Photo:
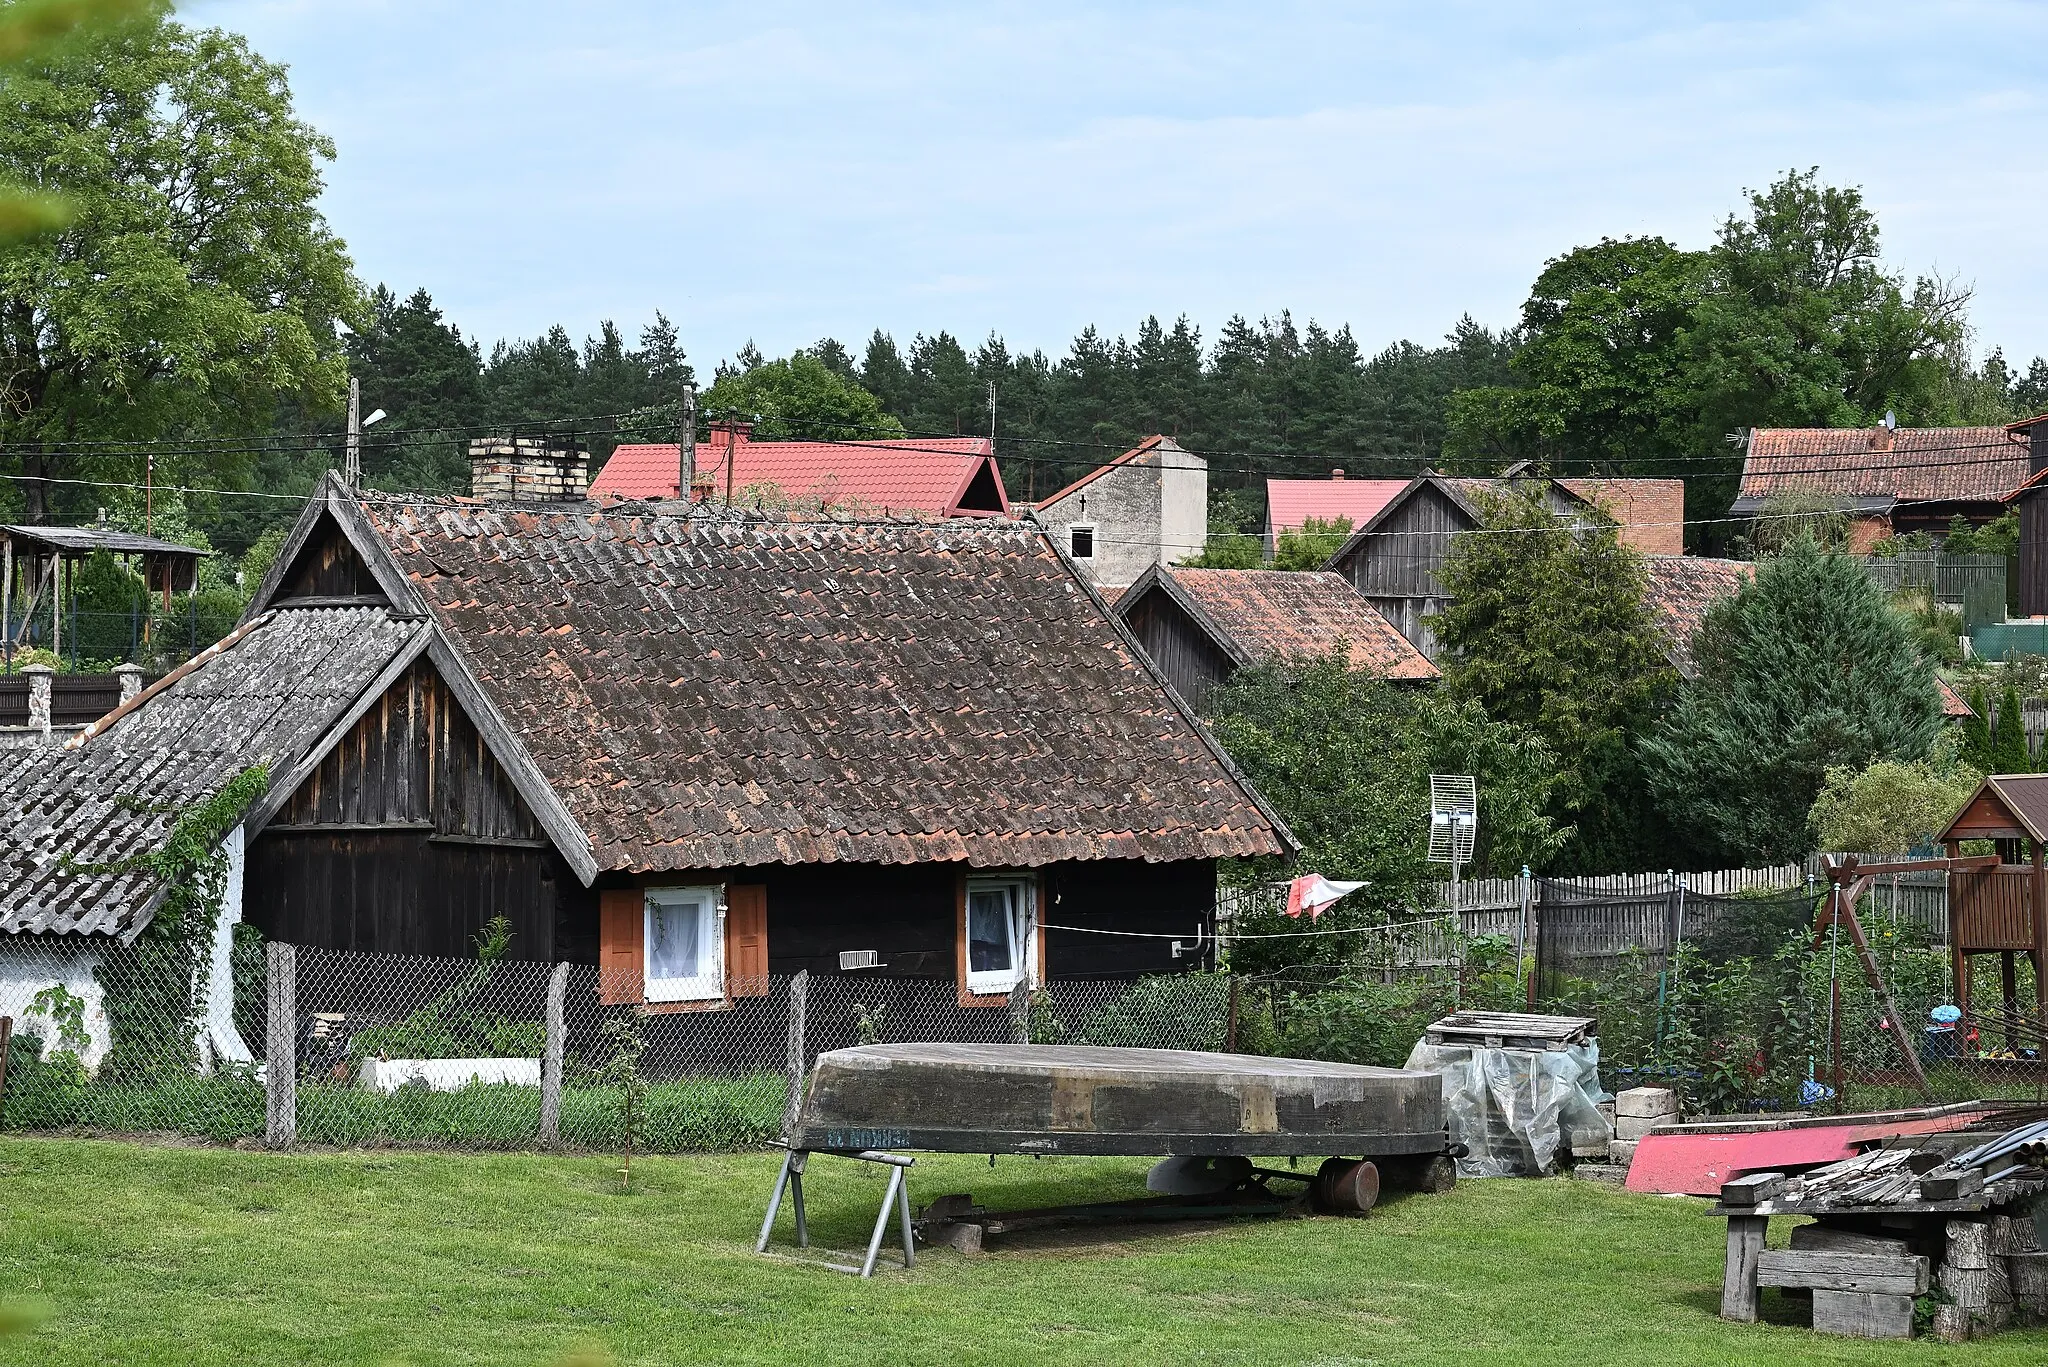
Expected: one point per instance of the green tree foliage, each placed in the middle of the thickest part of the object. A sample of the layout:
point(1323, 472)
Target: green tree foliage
point(2000, 536)
point(2009, 753)
point(1602, 369)
point(1346, 760)
point(197, 284)
point(1547, 627)
point(32, 31)
point(1310, 546)
point(1805, 668)
point(1976, 737)
point(799, 398)
point(1892, 807)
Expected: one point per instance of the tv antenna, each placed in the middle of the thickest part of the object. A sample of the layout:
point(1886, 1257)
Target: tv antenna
point(1453, 823)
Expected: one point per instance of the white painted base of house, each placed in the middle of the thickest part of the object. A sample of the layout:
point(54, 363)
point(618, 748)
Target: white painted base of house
point(447, 1074)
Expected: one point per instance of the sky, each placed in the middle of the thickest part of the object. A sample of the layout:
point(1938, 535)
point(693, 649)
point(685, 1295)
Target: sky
point(781, 173)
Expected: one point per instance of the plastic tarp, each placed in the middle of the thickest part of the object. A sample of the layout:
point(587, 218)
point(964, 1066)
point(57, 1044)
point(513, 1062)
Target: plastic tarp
point(1514, 1110)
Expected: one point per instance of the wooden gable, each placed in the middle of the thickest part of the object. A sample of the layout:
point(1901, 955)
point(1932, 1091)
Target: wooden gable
point(1192, 659)
point(1986, 816)
point(327, 568)
point(1398, 555)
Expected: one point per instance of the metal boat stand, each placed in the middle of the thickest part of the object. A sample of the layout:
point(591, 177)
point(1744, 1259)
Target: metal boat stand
point(895, 1200)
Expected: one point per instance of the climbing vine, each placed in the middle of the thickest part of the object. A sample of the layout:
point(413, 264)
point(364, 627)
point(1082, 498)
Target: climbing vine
point(155, 994)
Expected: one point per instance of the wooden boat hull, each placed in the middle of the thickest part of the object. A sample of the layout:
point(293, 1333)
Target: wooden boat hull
point(1071, 1099)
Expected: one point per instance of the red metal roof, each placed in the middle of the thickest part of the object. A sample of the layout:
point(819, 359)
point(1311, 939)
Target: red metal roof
point(1923, 464)
point(1291, 502)
point(934, 475)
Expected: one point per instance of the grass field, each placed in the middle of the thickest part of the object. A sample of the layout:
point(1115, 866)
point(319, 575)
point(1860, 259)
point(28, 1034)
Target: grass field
point(134, 1254)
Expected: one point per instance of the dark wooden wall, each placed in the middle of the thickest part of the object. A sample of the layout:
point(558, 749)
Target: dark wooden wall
point(1191, 661)
point(909, 913)
point(407, 838)
point(328, 567)
point(1401, 555)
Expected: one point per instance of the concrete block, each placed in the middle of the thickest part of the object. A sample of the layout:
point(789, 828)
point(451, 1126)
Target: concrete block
point(1633, 1127)
point(1600, 1172)
point(1621, 1152)
point(1646, 1103)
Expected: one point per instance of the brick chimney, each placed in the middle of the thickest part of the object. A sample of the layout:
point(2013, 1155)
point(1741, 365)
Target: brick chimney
point(527, 470)
point(1337, 473)
point(39, 677)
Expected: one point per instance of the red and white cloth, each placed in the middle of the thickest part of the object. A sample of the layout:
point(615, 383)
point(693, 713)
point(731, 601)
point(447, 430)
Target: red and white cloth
point(1313, 893)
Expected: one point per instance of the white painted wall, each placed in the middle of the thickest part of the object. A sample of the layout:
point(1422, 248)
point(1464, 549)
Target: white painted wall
point(1153, 510)
point(28, 967)
point(30, 964)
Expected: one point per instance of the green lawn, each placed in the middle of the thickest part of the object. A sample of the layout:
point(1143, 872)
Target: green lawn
point(136, 1254)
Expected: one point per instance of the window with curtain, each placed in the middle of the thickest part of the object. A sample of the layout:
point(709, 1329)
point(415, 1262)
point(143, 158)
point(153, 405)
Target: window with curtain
point(1001, 925)
point(685, 945)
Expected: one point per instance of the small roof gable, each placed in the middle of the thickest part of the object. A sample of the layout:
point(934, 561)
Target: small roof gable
point(1869, 468)
point(2005, 806)
point(1262, 615)
point(75, 817)
point(711, 691)
point(1292, 502)
point(937, 476)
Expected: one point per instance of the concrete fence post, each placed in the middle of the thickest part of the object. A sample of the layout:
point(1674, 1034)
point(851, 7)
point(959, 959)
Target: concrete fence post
point(39, 704)
point(1020, 1013)
point(551, 1059)
point(796, 1056)
point(281, 1055)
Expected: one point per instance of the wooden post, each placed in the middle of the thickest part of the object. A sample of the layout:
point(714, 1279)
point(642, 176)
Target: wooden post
point(1738, 1277)
point(2038, 885)
point(551, 1059)
point(281, 1055)
point(797, 1058)
point(6, 1043)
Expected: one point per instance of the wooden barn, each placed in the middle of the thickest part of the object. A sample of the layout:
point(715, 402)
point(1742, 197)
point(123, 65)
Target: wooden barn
point(2002, 910)
point(1202, 626)
point(1393, 557)
point(698, 748)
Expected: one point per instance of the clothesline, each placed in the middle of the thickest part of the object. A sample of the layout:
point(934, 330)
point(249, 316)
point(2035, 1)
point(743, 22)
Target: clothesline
point(1273, 935)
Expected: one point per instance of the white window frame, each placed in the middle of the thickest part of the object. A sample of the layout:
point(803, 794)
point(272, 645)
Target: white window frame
point(1088, 527)
point(1023, 889)
point(698, 987)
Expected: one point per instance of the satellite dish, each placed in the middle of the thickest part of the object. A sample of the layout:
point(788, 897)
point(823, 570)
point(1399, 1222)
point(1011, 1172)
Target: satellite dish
point(1453, 818)
point(1891, 420)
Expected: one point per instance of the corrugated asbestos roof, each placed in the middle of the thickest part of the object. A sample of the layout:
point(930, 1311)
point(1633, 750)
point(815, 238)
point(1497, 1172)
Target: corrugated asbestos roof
point(710, 692)
point(1913, 464)
point(922, 474)
point(1271, 613)
point(72, 816)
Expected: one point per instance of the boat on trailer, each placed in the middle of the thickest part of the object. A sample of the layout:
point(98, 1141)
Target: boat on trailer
point(1209, 1117)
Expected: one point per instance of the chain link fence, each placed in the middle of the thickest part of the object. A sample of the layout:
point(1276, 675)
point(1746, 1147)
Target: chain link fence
point(271, 1044)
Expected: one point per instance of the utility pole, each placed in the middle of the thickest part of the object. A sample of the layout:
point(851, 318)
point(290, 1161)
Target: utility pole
point(686, 443)
point(352, 461)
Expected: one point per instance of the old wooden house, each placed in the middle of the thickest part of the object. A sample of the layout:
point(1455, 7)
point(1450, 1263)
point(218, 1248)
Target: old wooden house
point(1393, 557)
point(1884, 481)
point(696, 748)
point(1202, 626)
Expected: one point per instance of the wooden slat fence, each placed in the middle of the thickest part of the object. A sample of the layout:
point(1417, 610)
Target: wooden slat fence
point(1610, 914)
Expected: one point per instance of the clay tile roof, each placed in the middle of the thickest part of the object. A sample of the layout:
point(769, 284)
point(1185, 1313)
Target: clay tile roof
point(70, 816)
point(1291, 502)
point(1273, 613)
point(1681, 589)
point(709, 692)
point(1952, 704)
point(1865, 465)
point(931, 475)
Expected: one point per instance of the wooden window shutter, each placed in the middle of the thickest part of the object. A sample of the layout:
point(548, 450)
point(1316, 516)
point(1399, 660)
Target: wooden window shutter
point(621, 956)
point(746, 940)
